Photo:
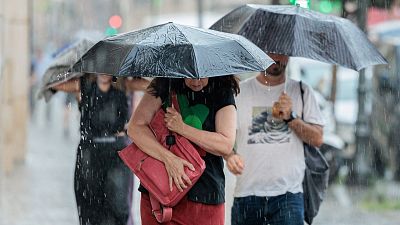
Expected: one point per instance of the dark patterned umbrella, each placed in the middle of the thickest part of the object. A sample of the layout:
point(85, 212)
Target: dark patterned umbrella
point(295, 31)
point(173, 50)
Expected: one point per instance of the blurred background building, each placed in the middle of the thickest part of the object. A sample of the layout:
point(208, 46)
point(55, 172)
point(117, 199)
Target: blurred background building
point(14, 78)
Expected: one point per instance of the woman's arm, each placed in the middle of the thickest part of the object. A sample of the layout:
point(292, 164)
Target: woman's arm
point(136, 84)
point(220, 142)
point(143, 137)
point(73, 85)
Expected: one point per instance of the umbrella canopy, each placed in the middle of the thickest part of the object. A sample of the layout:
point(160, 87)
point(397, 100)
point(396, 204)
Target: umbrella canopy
point(57, 72)
point(173, 50)
point(295, 31)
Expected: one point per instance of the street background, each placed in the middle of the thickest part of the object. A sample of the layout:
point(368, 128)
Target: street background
point(38, 140)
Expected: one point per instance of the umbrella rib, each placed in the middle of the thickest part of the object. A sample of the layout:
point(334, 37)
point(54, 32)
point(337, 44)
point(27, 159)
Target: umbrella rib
point(125, 57)
point(244, 21)
point(347, 47)
point(193, 53)
point(256, 58)
point(237, 40)
point(135, 45)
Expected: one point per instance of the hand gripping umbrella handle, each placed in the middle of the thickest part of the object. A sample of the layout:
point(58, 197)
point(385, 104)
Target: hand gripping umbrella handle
point(170, 139)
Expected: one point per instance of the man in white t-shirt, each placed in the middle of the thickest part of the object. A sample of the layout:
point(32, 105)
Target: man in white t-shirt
point(269, 162)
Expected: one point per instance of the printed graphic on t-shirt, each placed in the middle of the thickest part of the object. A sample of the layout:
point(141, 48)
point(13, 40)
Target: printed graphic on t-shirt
point(265, 129)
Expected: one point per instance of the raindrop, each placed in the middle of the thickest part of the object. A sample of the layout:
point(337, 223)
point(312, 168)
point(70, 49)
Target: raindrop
point(266, 82)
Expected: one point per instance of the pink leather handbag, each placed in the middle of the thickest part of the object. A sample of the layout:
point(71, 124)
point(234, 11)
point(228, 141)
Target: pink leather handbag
point(152, 173)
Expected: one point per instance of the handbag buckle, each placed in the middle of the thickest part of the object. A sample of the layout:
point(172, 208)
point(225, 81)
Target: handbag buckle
point(170, 140)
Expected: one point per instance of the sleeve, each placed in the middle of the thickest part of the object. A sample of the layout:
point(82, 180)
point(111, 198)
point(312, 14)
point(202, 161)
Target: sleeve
point(311, 110)
point(224, 97)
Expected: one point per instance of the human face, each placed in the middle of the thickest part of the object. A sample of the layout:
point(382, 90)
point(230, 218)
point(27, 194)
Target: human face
point(104, 79)
point(280, 64)
point(196, 84)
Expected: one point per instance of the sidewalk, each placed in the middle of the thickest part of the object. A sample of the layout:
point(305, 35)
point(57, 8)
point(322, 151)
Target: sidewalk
point(40, 192)
point(334, 212)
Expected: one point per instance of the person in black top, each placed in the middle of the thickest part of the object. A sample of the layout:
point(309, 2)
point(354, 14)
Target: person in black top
point(207, 119)
point(102, 182)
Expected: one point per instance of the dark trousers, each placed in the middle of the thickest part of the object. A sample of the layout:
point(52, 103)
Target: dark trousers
point(287, 209)
point(102, 184)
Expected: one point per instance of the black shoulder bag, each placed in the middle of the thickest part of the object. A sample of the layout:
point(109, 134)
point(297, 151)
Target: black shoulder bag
point(316, 177)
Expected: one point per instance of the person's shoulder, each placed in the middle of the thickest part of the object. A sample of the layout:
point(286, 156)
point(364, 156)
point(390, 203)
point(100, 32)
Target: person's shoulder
point(293, 84)
point(247, 84)
point(247, 88)
point(308, 90)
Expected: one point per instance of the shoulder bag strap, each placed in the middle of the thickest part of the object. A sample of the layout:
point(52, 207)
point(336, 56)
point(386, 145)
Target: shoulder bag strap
point(162, 213)
point(302, 99)
point(175, 102)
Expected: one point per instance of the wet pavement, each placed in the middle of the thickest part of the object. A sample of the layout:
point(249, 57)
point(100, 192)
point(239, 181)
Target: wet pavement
point(40, 192)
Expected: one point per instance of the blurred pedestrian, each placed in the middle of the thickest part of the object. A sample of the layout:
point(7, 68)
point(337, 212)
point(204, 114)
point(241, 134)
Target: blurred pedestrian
point(134, 91)
point(102, 182)
point(269, 162)
point(70, 99)
point(32, 87)
point(212, 127)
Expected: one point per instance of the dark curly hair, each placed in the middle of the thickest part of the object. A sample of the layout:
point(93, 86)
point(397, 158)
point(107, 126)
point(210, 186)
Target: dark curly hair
point(161, 86)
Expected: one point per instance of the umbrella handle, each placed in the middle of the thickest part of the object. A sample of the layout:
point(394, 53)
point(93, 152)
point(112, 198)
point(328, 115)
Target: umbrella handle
point(285, 85)
point(170, 139)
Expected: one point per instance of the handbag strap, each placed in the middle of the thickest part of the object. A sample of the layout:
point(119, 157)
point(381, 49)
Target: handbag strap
point(302, 111)
point(175, 102)
point(162, 213)
point(302, 99)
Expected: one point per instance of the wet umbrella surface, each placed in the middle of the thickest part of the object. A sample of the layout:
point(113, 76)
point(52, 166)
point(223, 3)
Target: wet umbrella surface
point(295, 31)
point(57, 72)
point(173, 50)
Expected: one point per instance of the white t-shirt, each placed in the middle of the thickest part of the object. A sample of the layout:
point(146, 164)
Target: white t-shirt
point(273, 154)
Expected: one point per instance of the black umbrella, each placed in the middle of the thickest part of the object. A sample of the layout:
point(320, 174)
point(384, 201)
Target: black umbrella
point(173, 50)
point(295, 31)
point(57, 72)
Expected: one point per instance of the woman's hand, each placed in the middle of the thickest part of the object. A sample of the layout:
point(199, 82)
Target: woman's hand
point(173, 121)
point(235, 164)
point(143, 137)
point(175, 169)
